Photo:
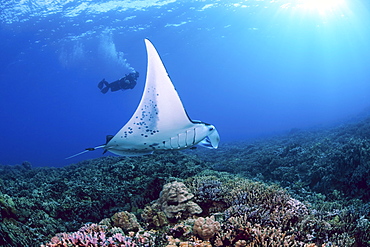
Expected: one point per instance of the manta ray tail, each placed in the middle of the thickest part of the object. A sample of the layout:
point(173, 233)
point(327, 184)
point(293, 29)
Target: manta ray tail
point(87, 150)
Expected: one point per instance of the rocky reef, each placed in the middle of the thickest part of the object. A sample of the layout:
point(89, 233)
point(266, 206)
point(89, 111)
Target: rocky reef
point(306, 188)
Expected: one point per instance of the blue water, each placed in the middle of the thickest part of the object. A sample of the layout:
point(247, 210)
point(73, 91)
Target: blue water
point(251, 68)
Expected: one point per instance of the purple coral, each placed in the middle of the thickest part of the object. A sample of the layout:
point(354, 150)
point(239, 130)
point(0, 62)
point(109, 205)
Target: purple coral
point(90, 235)
point(210, 190)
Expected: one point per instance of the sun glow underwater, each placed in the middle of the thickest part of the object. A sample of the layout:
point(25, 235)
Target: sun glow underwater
point(321, 7)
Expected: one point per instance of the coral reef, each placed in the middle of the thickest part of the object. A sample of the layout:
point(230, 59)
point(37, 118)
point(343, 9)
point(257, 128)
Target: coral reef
point(253, 212)
point(321, 160)
point(38, 202)
point(256, 215)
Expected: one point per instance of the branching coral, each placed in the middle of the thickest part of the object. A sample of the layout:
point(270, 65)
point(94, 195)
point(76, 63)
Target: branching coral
point(90, 235)
point(101, 236)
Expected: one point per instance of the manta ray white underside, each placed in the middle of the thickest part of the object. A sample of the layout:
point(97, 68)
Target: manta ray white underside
point(160, 122)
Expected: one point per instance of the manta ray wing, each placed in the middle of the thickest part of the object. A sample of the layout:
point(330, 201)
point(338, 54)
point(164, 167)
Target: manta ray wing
point(160, 122)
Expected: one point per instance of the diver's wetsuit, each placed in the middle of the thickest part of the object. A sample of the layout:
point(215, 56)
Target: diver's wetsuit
point(127, 82)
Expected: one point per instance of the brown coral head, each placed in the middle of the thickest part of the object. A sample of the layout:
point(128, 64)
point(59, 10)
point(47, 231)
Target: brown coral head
point(206, 228)
point(177, 193)
point(127, 221)
point(175, 202)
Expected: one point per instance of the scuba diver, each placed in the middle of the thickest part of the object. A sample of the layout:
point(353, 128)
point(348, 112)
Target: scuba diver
point(127, 82)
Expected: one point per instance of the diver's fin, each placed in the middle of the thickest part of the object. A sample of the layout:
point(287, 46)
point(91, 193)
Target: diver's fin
point(104, 90)
point(87, 150)
point(101, 84)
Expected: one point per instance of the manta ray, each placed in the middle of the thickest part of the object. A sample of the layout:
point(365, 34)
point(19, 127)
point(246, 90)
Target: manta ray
point(160, 122)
